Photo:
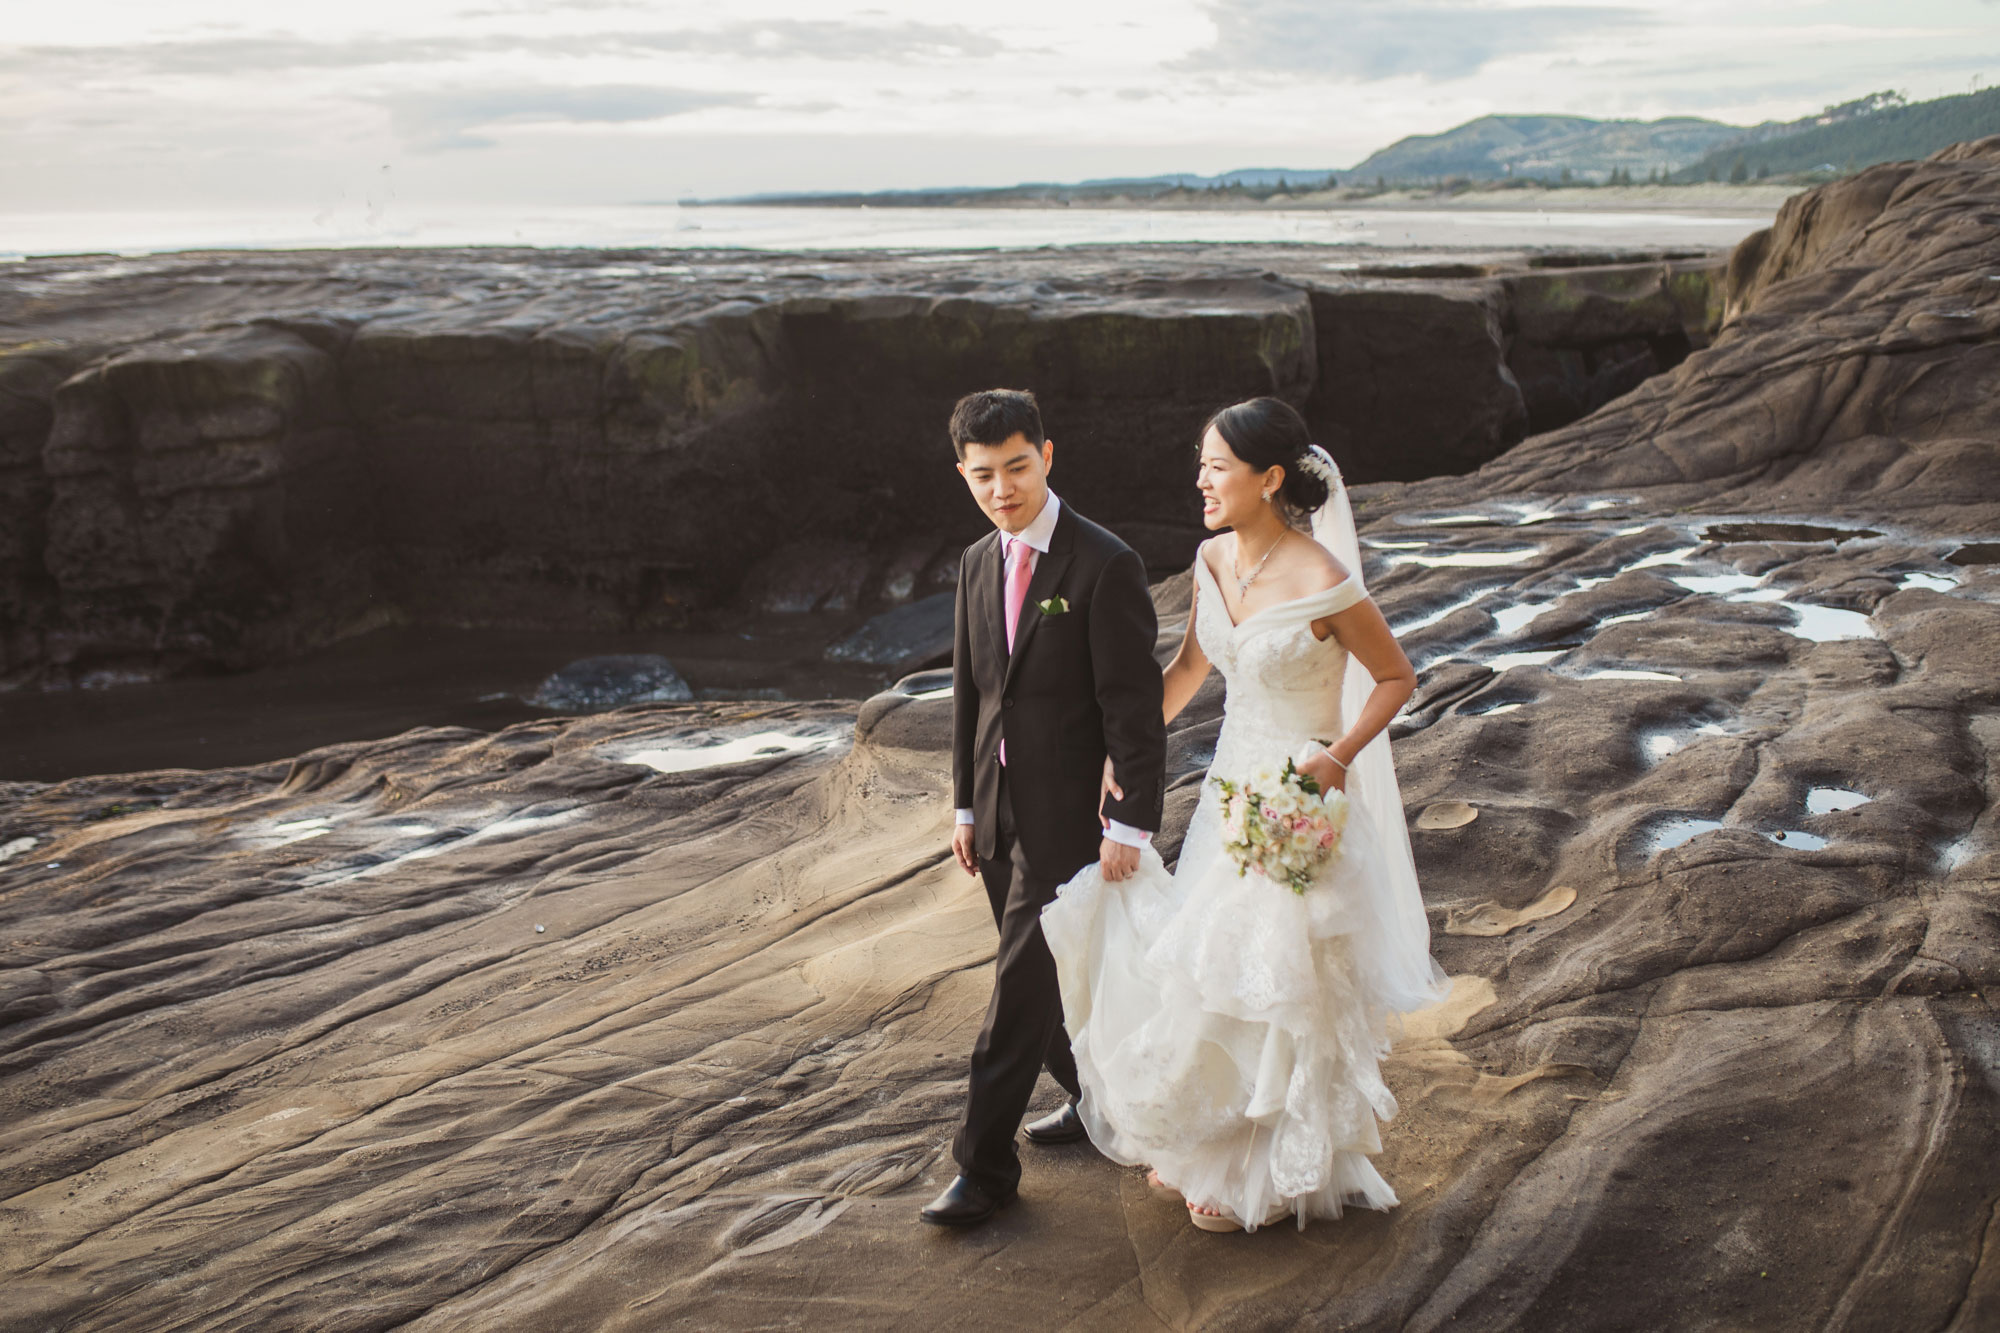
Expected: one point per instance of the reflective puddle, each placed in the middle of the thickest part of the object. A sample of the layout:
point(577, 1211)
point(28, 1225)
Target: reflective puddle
point(1624, 673)
point(1717, 583)
point(298, 830)
point(1828, 624)
point(1976, 553)
point(1468, 559)
point(1508, 661)
point(1674, 832)
point(1806, 533)
point(1659, 558)
point(741, 750)
point(1428, 619)
point(1520, 615)
point(1826, 800)
point(441, 841)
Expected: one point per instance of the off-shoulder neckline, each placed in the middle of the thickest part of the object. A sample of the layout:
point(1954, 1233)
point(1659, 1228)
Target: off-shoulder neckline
point(1235, 624)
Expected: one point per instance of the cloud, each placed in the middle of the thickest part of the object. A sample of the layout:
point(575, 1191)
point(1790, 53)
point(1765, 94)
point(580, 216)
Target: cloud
point(547, 7)
point(443, 120)
point(1380, 39)
point(793, 39)
point(819, 39)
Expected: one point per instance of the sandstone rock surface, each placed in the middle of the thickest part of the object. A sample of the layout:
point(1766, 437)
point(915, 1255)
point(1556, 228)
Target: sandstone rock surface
point(1712, 668)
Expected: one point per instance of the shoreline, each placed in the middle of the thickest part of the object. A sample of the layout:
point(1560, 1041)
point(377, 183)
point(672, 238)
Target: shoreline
point(1711, 199)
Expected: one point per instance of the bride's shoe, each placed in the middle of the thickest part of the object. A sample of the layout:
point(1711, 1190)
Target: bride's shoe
point(1212, 1221)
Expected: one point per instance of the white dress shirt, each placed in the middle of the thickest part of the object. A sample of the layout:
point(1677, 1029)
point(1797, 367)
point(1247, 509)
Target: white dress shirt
point(1037, 536)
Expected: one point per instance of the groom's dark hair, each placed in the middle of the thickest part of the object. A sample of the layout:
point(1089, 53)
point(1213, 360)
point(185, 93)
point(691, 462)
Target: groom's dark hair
point(995, 416)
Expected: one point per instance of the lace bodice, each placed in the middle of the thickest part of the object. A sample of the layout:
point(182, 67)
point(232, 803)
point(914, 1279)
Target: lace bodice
point(1283, 681)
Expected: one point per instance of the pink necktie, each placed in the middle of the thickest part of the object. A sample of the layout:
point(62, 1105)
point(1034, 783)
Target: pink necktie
point(1019, 553)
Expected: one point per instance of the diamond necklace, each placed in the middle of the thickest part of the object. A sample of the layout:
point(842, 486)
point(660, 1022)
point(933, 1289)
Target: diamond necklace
point(1243, 584)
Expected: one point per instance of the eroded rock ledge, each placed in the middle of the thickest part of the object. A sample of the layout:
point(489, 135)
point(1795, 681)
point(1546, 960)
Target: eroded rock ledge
point(217, 460)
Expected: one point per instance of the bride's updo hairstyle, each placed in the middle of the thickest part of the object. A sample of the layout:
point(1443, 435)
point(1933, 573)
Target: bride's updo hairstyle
point(1268, 433)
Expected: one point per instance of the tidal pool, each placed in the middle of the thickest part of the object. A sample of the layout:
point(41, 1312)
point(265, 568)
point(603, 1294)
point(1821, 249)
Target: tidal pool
point(1717, 583)
point(1826, 800)
point(1511, 619)
point(1673, 832)
point(1659, 558)
point(1626, 673)
point(740, 750)
point(1508, 661)
point(1829, 624)
point(1469, 559)
point(1430, 618)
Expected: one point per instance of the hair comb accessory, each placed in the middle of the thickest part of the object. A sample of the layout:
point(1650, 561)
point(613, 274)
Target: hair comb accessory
point(1320, 463)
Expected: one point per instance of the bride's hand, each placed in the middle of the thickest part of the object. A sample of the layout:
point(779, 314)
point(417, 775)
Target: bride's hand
point(1107, 789)
point(1322, 768)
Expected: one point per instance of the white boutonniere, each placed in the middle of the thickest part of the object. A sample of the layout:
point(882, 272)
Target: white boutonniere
point(1054, 606)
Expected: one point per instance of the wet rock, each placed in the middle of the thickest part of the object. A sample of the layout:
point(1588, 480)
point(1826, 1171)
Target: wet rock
point(809, 576)
point(598, 683)
point(905, 639)
point(1413, 381)
point(1580, 337)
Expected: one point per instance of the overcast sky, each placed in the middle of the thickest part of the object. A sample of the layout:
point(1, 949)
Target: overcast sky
point(185, 103)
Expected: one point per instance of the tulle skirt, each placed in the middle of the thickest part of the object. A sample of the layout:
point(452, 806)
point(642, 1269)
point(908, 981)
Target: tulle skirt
point(1224, 1034)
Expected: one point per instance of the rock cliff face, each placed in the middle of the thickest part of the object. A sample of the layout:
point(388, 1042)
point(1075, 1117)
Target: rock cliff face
point(660, 1015)
point(213, 462)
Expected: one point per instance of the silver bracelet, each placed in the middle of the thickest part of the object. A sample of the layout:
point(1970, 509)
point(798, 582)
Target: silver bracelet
point(1331, 755)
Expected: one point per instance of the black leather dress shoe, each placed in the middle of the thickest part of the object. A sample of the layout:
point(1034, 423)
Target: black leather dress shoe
point(963, 1204)
point(1064, 1126)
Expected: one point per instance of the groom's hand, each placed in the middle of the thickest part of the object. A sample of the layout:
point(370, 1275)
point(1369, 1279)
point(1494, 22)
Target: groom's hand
point(1116, 860)
point(962, 848)
point(1107, 790)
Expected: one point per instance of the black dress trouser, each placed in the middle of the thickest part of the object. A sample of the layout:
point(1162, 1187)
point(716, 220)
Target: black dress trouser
point(1023, 1031)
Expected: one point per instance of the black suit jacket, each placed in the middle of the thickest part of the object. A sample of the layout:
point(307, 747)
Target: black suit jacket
point(1079, 685)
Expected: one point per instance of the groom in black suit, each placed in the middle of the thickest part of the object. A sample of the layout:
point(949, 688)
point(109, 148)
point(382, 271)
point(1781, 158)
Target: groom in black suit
point(1052, 670)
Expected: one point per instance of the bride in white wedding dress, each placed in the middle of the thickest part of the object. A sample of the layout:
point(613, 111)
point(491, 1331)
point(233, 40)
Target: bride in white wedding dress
point(1227, 1030)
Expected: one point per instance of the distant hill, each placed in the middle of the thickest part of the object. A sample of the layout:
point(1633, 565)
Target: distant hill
point(1878, 128)
point(1543, 147)
point(1556, 149)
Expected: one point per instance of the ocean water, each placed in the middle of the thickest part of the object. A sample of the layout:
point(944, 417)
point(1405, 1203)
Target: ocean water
point(789, 229)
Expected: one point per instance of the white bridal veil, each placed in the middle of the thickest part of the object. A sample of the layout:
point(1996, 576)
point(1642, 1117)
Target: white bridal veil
point(1394, 948)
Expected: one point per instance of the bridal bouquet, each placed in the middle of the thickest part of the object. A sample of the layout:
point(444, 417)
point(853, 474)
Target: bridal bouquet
point(1281, 825)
